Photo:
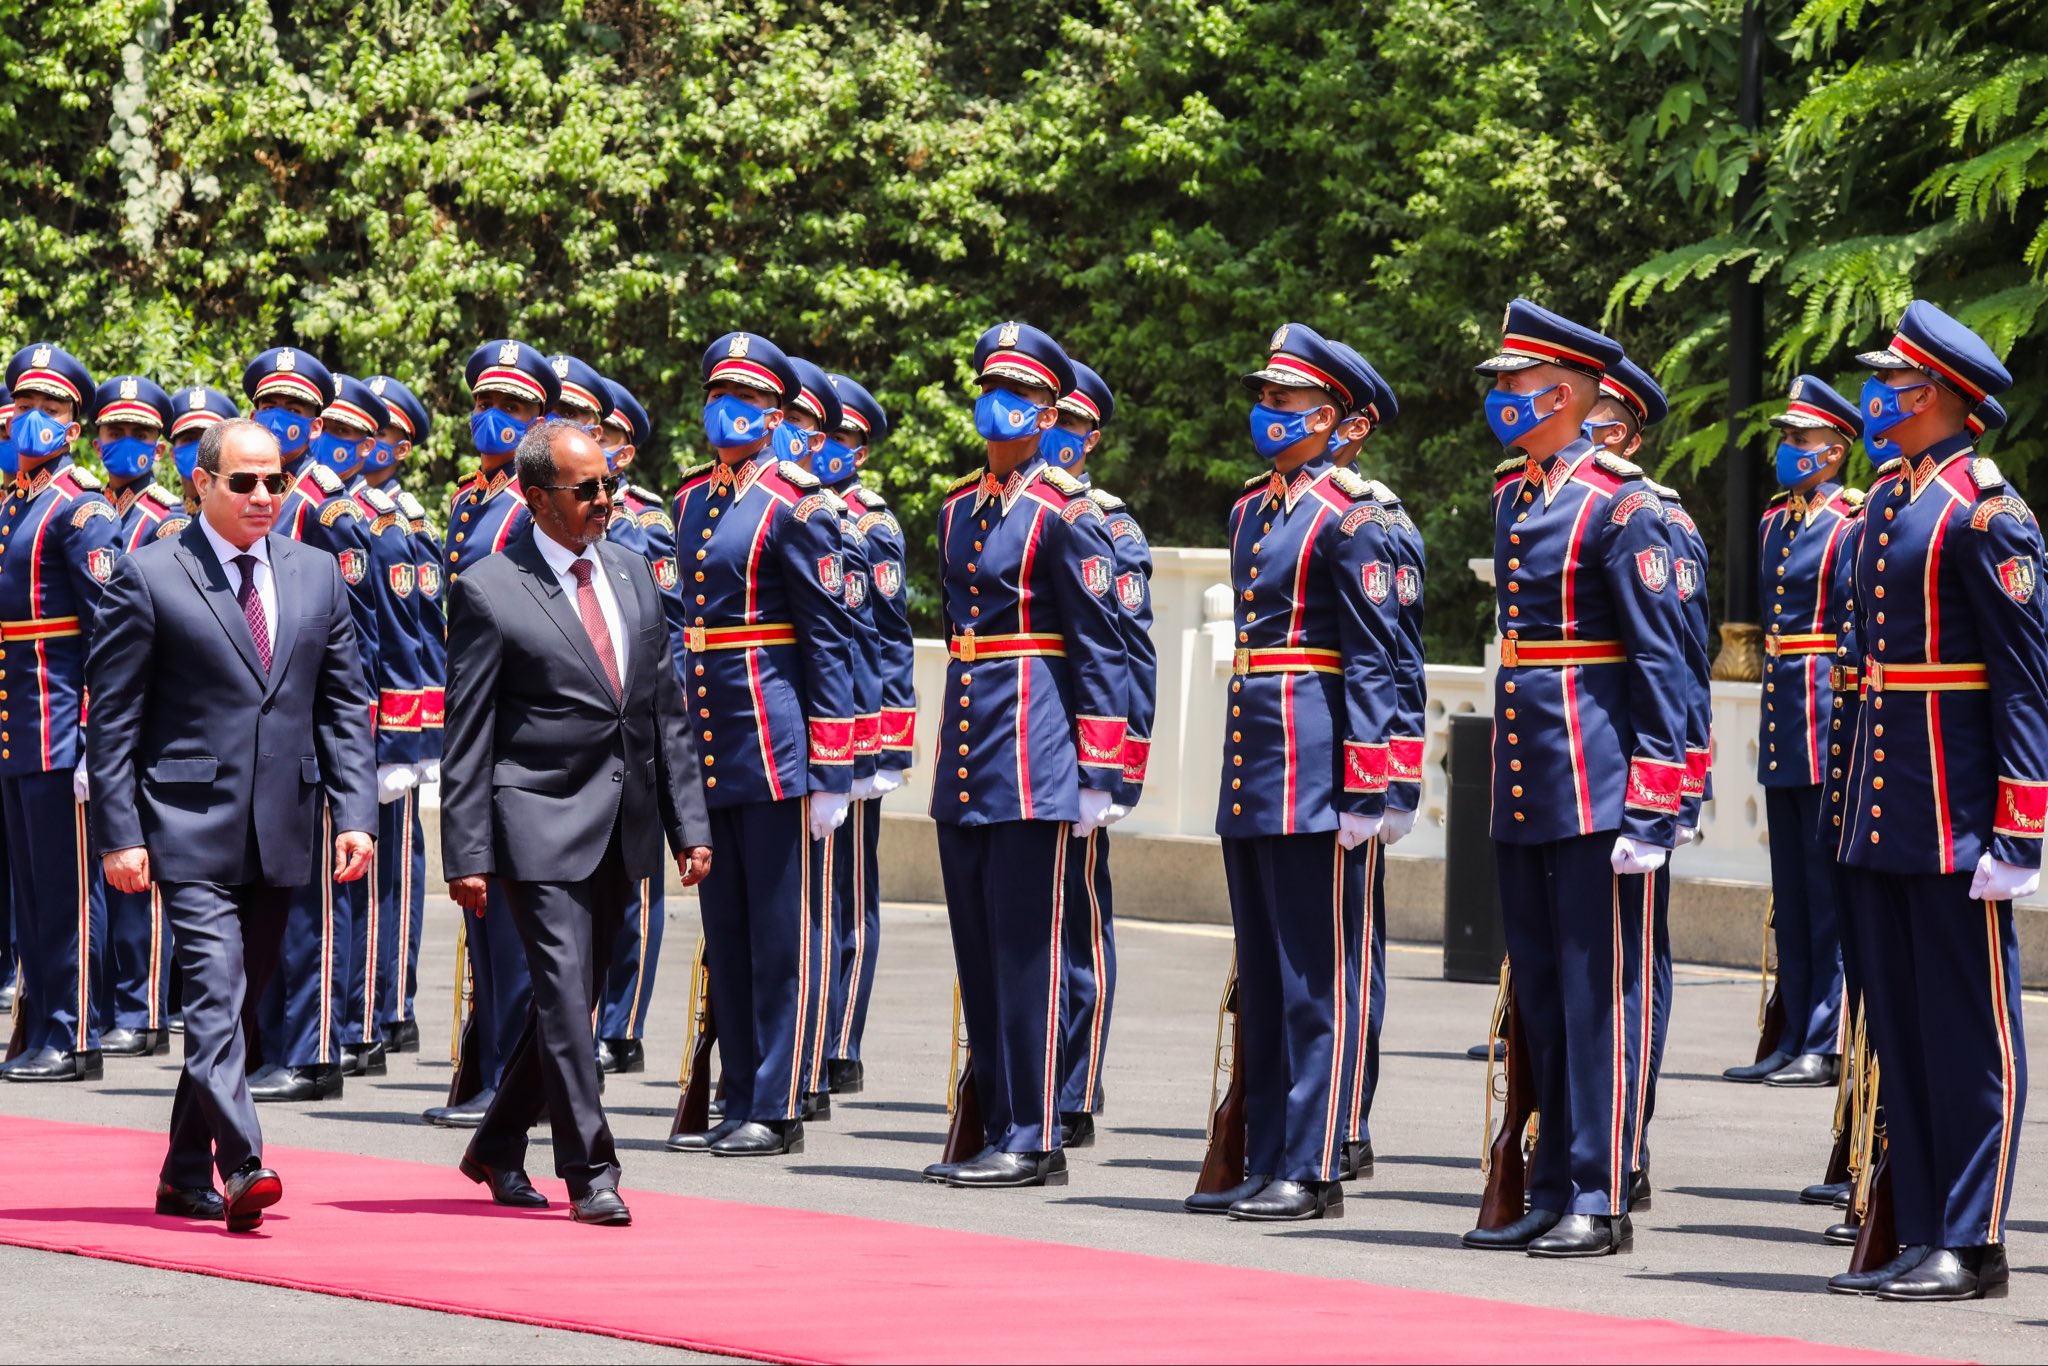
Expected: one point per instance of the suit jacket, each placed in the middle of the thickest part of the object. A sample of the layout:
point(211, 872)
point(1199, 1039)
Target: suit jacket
point(540, 760)
point(197, 753)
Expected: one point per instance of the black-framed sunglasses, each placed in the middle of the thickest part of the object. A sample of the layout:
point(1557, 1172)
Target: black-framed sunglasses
point(244, 482)
point(586, 492)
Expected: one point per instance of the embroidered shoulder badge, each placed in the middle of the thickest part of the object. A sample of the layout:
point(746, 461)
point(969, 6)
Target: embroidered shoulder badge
point(803, 510)
point(2016, 576)
point(87, 511)
point(338, 509)
point(1095, 574)
point(1653, 567)
point(171, 526)
point(1079, 508)
point(1130, 590)
point(1634, 503)
point(654, 516)
point(870, 520)
point(99, 562)
point(2006, 503)
point(354, 564)
point(1357, 518)
point(888, 577)
point(1124, 526)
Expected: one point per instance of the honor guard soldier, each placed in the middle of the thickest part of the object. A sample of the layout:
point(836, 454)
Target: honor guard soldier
point(1801, 542)
point(193, 410)
point(59, 540)
point(1373, 405)
point(1590, 707)
point(1944, 802)
point(1630, 404)
point(640, 523)
point(761, 551)
point(8, 956)
point(856, 876)
point(401, 843)
point(303, 1014)
point(131, 415)
point(511, 386)
point(1032, 744)
point(1304, 779)
point(1089, 993)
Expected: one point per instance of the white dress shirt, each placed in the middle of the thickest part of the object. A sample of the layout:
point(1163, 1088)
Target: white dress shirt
point(560, 558)
point(266, 581)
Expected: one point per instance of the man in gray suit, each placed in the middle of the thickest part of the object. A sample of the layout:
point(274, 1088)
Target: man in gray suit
point(228, 706)
point(567, 758)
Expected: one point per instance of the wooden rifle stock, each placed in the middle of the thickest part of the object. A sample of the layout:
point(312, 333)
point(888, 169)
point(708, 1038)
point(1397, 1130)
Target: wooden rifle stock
point(1223, 1163)
point(1877, 1238)
point(1771, 1027)
point(17, 1041)
point(965, 1137)
point(693, 1110)
point(468, 1078)
point(1507, 1167)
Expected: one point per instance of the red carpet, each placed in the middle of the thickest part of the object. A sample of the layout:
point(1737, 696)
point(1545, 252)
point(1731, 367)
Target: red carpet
point(784, 1285)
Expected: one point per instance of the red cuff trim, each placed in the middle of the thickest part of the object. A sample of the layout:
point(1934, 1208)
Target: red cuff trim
point(1404, 760)
point(1137, 754)
point(433, 708)
point(1101, 740)
point(867, 734)
point(1654, 785)
point(2022, 808)
point(897, 726)
point(398, 710)
point(1365, 767)
point(831, 740)
point(1696, 763)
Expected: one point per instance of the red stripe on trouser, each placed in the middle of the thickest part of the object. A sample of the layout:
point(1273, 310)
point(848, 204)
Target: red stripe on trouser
point(803, 974)
point(1101, 965)
point(373, 905)
point(1647, 989)
point(2007, 1076)
point(1372, 853)
point(859, 910)
point(404, 910)
point(1619, 1101)
point(1049, 1115)
point(826, 962)
point(84, 930)
point(1334, 1115)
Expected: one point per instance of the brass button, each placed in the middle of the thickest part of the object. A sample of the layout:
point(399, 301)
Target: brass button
point(1514, 739)
point(1880, 562)
point(1514, 588)
point(1255, 547)
point(963, 796)
point(1880, 618)
point(966, 679)
point(977, 545)
point(1873, 834)
point(1774, 763)
point(1515, 764)
point(700, 599)
point(963, 725)
point(1877, 811)
point(1878, 755)
point(1884, 538)
point(1521, 516)
point(1242, 637)
point(1236, 783)
point(965, 701)
point(963, 751)
point(1250, 617)
point(707, 734)
point(1507, 687)
point(1513, 610)
point(1237, 761)
point(1236, 810)
point(1515, 791)
point(1520, 817)
point(1878, 730)
point(711, 782)
point(971, 569)
point(704, 712)
point(1877, 783)
point(1509, 713)
point(1514, 563)
point(1237, 737)
point(1247, 595)
point(963, 772)
point(700, 576)
point(1236, 711)
point(974, 611)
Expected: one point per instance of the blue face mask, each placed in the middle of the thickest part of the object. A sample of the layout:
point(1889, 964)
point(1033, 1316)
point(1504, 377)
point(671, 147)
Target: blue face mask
point(1591, 430)
point(1273, 431)
point(37, 436)
point(186, 454)
point(127, 457)
point(1794, 466)
point(383, 456)
point(496, 432)
point(343, 456)
point(731, 422)
point(1881, 413)
point(793, 443)
point(1064, 448)
point(1514, 416)
point(1000, 415)
point(837, 462)
point(291, 430)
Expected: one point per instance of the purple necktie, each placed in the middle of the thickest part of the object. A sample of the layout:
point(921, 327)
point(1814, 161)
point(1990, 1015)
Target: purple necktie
point(252, 609)
point(593, 625)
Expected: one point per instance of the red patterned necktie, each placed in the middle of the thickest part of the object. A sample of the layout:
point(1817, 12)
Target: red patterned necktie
point(593, 625)
point(252, 609)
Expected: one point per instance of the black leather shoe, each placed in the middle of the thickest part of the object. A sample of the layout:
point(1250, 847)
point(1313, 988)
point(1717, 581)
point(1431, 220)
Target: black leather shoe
point(714, 1109)
point(402, 1036)
point(1077, 1130)
point(1586, 1235)
point(700, 1143)
point(1639, 1193)
point(1834, 1193)
point(1281, 1201)
point(1485, 1052)
point(175, 1023)
point(467, 1115)
point(628, 1055)
point(201, 1202)
point(509, 1185)
point(6, 999)
point(1953, 1273)
point(1219, 1202)
point(1808, 1069)
point(1841, 1235)
point(1867, 1282)
point(1356, 1160)
point(247, 1194)
point(818, 1105)
point(1002, 1171)
point(1514, 1237)
point(57, 1064)
point(299, 1083)
point(1758, 1070)
point(845, 1076)
point(752, 1139)
point(601, 1207)
point(133, 1043)
point(942, 1172)
point(364, 1059)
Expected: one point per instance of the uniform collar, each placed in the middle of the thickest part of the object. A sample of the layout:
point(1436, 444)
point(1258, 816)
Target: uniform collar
point(123, 496)
point(1810, 504)
point(40, 480)
point(743, 476)
point(1925, 466)
point(1288, 490)
point(992, 489)
point(1563, 463)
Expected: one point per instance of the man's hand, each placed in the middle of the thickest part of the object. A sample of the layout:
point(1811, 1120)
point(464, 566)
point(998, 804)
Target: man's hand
point(470, 892)
point(827, 812)
point(1095, 804)
point(1634, 857)
point(863, 788)
point(1995, 881)
point(694, 864)
point(394, 780)
point(351, 855)
point(887, 780)
point(1396, 826)
point(81, 786)
point(1354, 830)
point(127, 870)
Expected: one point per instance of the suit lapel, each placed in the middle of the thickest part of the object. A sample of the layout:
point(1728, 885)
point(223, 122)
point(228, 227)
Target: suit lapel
point(547, 590)
point(284, 578)
point(210, 577)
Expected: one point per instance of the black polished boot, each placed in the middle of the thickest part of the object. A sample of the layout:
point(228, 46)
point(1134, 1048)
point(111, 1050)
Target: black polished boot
point(1514, 1237)
point(1219, 1202)
point(1834, 1193)
point(1758, 1070)
point(754, 1139)
point(1586, 1235)
point(845, 1076)
point(298, 1084)
point(202, 1202)
point(402, 1036)
point(1077, 1130)
point(941, 1172)
point(818, 1105)
point(134, 1043)
point(1639, 1193)
point(365, 1059)
point(1952, 1273)
point(1001, 1171)
point(1284, 1201)
point(57, 1064)
point(1356, 1161)
point(1867, 1282)
point(1841, 1235)
point(700, 1142)
point(1808, 1069)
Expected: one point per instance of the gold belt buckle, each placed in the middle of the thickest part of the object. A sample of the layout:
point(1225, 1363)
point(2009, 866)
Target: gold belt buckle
point(1510, 652)
point(1241, 662)
point(967, 646)
point(1772, 646)
point(693, 639)
point(1873, 676)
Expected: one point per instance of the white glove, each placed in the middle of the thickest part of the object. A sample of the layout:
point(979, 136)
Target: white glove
point(1687, 834)
point(81, 788)
point(1634, 856)
point(1116, 812)
point(1353, 831)
point(887, 780)
point(393, 781)
point(1394, 827)
point(863, 788)
point(429, 772)
point(1095, 804)
point(827, 811)
point(1997, 881)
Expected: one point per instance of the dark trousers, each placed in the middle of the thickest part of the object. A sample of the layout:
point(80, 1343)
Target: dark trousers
point(629, 976)
point(1365, 948)
point(1657, 972)
point(762, 906)
point(1574, 934)
point(369, 929)
point(401, 905)
point(138, 960)
point(856, 927)
point(60, 913)
point(1294, 900)
point(1803, 919)
point(1006, 902)
point(302, 1013)
point(566, 929)
point(227, 940)
point(1941, 989)
point(1089, 971)
point(501, 990)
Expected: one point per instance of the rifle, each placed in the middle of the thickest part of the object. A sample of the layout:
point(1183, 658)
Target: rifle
point(693, 1110)
point(1870, 1207)
point(1770, 1011)
point(1505, 1164)
point(1223, 1163)
point(1843, 1163)
point(965, 1134)
point(464, 1050)
point(17, 1042)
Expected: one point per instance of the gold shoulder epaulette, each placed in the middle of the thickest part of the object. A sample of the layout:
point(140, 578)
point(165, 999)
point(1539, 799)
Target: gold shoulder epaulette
point(1064, 482)
point(1350, 483)
point(1984, 470)
point(1668, 495)
point(1853, 497)
point(1510, 465)
point(645, 495)
point(1257, 480)
point(379, 501)
point(698, 471)
point(796, 474)
point(1777, 498)
point(965, 481)
point(86, 479)
point(1381, 492)
point(325, 479)
point(834, 502)
point(1616, 466)
point(872, 497)
point(1108, 502)
point(157, 493)
point(1891, 466)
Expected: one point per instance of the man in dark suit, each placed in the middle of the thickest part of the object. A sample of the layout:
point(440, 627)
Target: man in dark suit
point(229, 706)
point(567, 757)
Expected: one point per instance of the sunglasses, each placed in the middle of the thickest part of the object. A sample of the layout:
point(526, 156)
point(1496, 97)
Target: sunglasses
point(245, 481)
point(586, 492)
